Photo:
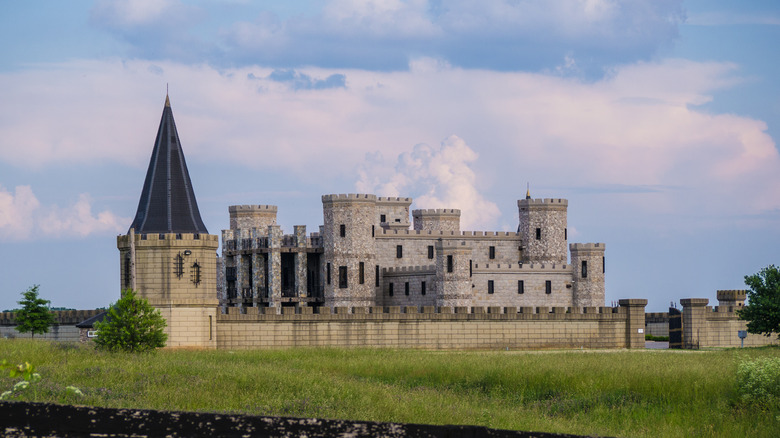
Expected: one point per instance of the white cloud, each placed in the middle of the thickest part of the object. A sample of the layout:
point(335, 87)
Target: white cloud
point(436, 178)
point(22, 217)
point(639, 126)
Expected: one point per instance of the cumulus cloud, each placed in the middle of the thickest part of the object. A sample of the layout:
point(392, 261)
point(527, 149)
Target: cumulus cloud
point(302, 81)
point(436, 178)
point(22, 217)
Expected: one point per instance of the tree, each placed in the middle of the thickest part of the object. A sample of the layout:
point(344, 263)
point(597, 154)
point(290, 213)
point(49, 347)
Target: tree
point(132, 325)
point(34, 316)
point(763, 309)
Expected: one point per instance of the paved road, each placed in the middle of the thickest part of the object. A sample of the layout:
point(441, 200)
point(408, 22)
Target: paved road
point(656, 345)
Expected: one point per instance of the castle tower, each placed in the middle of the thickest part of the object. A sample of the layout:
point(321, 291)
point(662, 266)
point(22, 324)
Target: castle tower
point(393, 213)
point(587, 259)
point(252, 216)
point(440, 219)
point(349, 250)
point(453, 274)
point(543, 224)
point(168, 255)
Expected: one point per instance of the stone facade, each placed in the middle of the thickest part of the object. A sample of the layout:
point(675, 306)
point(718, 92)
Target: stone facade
point(176, 273)
point(366, 255)
point(430, 327)
point(705, 326)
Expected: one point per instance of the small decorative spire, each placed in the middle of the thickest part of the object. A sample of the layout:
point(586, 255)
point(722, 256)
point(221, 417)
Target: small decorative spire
point(167, 101)
point(528, 191)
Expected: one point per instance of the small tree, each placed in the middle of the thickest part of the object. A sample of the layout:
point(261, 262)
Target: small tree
point(132, 325)
point(34, 316)
point(763, 309)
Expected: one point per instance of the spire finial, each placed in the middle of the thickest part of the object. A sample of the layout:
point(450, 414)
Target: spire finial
point(528, 191)
point(167, 101)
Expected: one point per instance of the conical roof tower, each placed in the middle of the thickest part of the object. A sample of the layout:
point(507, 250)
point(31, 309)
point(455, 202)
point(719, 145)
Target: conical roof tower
point(167, 203)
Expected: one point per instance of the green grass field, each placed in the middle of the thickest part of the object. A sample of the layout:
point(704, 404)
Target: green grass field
point(614, 393)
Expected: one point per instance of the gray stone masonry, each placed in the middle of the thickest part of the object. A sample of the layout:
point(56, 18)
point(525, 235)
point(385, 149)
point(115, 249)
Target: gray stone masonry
point(453, 279)
point(274, 266)
point(442, 219)
point(548, 216)
point(395, 212)
point(252, 216)
point(587, 260)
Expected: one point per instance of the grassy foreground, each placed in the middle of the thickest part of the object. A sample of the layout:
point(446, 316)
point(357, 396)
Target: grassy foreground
point(617, 393)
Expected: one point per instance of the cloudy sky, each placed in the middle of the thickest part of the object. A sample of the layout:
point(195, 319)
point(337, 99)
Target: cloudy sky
point(659, 120)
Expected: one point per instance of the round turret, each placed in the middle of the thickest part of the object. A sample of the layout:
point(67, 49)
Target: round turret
point(543, 224)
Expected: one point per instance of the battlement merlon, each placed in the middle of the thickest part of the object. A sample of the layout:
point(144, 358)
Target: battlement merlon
point(436, 212)
point(348, 197)
point(543, 203)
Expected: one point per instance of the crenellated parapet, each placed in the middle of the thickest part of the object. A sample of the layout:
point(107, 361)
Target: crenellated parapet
point(522, 267)
point(167, 239)
point(448, 235)
point(393, 200)
point(349, 197)
point(409, 270)
point(731, 298)
point(439, 219)
point(544, 202)
point(252, 216)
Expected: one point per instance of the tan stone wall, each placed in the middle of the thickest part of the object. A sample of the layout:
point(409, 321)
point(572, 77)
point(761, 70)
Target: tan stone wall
point(192, 327)
point(485, 328)
point(704, 326)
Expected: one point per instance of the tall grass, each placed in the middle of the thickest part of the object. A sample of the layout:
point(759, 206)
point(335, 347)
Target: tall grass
point(618, 393)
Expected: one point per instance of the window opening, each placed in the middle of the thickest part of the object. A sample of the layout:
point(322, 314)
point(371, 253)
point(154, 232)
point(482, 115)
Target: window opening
point(342, 277)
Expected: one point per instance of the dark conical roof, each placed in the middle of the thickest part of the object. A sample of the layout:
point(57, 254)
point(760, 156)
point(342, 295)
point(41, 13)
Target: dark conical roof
point(167, 202)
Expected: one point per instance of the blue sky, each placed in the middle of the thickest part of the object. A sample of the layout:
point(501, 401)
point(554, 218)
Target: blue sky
point(659, 121)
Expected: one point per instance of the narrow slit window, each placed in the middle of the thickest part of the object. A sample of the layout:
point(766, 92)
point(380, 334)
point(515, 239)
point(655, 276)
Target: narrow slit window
point(520, 287)
point(492, 252)
point(584, 269)
point(548, 287)
point(603, 265)
point(406, 288)
point(430, 251)
point(538, 234)
point(342, 277)
point(422, 288)
point(490, 287)
point(361, 273)
point(327, 273)
point(390, 289)
point(343, 230)
point(449, 263)
point(399, 251)
point(376, 276)
point(382, 218)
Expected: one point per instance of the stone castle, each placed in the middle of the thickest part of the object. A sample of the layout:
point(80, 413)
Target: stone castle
point(366, 255)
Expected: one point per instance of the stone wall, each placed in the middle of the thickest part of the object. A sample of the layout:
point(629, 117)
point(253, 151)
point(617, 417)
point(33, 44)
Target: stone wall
point(436, 328)
point(704, 326)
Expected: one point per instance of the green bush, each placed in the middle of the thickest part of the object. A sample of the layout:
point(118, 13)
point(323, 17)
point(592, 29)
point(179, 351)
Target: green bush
point(131, 325)
point(758, 382)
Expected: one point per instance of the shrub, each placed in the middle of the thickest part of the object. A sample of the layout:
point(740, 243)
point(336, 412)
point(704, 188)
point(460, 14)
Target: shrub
point(132, 325)
point(758, 382)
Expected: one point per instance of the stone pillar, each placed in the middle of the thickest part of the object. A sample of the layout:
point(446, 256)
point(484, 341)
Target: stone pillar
point(274, 263)
point(694, 328)
point(453, 286)
point(635, 322)
point(300, 261)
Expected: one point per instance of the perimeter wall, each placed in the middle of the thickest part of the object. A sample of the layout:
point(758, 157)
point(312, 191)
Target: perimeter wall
point(436, 328)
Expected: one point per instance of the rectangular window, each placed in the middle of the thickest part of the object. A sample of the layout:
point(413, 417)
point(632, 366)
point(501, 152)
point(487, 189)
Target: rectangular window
point(399, 251)
point(382, 218)
point(603, 265)
point(342, 277)
point(548, 287)
point(492, 252)
point(422, 288)
point(327, 273)
point(584, 269)
point(565, 234)
point(372, 230)
point(390, 289)
point(376, 276)
point(490, 286)
point(343, 230)
point(449, 263)
point(538, 234)
point(430, 251)
point(520, 287)
point(471, 268)
point(406, 288)
point(361, 273)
